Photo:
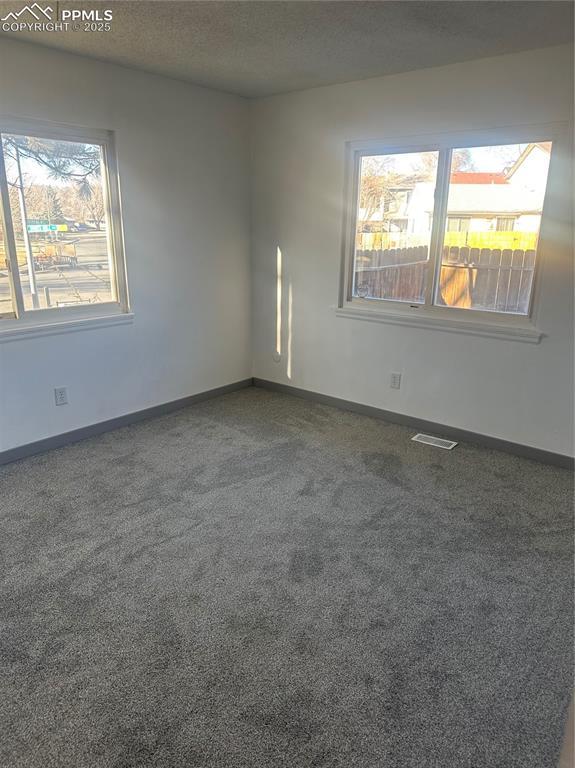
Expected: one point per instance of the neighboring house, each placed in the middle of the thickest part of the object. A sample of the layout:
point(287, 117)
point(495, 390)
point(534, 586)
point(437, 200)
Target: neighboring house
point(481, 207)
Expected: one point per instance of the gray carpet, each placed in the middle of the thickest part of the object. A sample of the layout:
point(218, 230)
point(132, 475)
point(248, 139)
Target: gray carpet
point(261, 581)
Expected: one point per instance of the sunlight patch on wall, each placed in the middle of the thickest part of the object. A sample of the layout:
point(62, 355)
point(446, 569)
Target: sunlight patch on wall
point(289, 330)
point(278, 303)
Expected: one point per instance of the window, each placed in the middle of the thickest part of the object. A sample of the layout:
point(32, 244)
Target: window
point(447, 227)
point(391, 256)
point(505, 223)
point(458, 224)
point(60, 230)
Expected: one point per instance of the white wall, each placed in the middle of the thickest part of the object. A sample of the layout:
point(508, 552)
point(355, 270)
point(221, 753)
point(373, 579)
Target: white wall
point(183, 158)
point(511, 390)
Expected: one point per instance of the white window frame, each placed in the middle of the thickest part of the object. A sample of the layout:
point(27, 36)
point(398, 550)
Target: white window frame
point(58, 319)
point(428, 314)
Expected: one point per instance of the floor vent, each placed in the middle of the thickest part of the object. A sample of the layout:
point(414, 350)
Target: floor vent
point(438, 442)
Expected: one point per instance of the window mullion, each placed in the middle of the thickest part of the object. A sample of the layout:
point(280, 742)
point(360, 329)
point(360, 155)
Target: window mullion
point(9, 240)
point(438, 225)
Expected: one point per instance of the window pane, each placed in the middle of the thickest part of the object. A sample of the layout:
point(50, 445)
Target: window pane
point(394, 218)
point(5, 295)
point(60, 227)
point(499, 190)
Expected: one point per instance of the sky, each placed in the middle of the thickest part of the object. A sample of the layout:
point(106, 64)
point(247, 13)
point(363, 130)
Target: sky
point(486, 159)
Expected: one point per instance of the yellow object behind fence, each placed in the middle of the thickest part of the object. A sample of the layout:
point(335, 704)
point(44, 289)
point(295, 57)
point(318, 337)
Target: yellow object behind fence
point(375, 241)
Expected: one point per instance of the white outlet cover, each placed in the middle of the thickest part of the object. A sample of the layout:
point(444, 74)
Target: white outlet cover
point(61, 396)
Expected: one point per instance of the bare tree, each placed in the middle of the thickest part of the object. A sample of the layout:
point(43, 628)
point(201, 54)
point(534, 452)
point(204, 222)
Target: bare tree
point(93, 201)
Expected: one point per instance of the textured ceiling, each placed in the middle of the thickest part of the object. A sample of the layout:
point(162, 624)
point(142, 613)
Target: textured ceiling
point(260, 48)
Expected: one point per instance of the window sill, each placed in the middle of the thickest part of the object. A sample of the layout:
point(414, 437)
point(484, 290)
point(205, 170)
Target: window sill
point(518, 329)
point(14, 330)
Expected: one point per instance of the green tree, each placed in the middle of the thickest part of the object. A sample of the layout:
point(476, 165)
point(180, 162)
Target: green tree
point(63, 160)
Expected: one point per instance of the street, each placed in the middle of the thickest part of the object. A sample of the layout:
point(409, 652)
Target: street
point(63, 285)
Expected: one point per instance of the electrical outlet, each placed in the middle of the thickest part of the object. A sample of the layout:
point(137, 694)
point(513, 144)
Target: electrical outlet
point(395, 382)
point(61, 396)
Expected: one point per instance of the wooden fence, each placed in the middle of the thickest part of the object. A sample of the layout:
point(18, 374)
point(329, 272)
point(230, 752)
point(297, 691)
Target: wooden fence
point(394, 273)
point(481, 278)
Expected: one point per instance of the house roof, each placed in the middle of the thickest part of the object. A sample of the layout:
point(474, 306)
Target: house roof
point(496, 198)
point(480, 177)
point(543, 145)
point(476, 177)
